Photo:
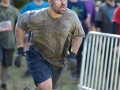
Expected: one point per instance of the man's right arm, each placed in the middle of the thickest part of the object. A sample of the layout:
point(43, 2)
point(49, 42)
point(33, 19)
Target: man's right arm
point(20, 28)
point(19, 33)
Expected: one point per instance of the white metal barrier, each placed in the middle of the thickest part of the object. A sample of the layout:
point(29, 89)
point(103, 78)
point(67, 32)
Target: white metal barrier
point(101, 62)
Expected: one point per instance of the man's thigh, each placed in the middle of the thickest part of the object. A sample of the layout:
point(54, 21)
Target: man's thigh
point(56, 73)
point(46, 85)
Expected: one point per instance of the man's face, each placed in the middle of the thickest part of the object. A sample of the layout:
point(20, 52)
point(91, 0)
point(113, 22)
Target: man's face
point(6, 1)
point(59, 6)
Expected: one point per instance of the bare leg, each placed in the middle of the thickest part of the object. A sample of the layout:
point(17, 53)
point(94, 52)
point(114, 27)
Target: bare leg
point(36, 88)
point(46, 85)
point(4, 75)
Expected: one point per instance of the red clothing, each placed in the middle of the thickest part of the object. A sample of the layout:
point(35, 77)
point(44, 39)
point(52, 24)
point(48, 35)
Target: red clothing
point(116, 18)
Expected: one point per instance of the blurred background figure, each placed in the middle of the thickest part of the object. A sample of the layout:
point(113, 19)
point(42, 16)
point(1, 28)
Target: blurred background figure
point(103, 19)
point(103, 23)
point(116, 26)
point(116, 21)
point(8, 16)
point(33, 5)
point(91, 11)
point(80, 8)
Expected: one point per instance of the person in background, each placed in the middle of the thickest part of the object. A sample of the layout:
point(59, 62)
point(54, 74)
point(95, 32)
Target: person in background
point(80, 9)
point(103, 23)
point(116, 27)
point(33, 5)
point(8, 16)
point(103, 19)
point(91, 12)
point(116, 21)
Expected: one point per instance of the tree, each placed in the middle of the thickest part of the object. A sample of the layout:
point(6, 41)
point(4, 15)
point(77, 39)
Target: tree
point(19, 3)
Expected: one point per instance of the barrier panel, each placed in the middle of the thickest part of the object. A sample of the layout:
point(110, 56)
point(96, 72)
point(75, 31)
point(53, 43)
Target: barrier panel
point(100, 62)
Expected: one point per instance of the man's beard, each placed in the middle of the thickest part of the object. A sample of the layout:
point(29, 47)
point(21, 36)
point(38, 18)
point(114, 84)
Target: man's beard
point(58, 11)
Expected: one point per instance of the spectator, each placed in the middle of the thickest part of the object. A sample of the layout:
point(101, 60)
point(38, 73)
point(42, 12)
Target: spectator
point(33, 5)
point(91, 11)
point(116, 21)
point(8, 16)
point(116, 25)
point(103, 23)
point(103, 19)
point(80, 9)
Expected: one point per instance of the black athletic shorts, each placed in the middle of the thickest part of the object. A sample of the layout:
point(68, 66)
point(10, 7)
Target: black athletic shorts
point(6, 56)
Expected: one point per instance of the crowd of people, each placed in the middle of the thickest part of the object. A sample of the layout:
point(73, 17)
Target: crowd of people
point(54, 32)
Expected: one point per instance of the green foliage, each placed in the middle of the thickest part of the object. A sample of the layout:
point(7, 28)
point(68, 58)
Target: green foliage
point(19, 3)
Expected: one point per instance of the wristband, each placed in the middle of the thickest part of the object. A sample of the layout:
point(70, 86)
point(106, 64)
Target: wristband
point(20, 50)
point(72, 55)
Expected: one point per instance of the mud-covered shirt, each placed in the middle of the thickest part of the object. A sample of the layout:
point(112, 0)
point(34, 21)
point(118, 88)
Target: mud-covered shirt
point(50, 34)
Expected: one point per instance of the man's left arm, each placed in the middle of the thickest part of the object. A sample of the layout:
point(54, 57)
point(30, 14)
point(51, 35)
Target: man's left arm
point(77, 36)
point(76, 42)
point(71, 58)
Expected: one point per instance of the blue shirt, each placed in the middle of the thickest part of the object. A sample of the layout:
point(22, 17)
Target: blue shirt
point(33, 6)
point(80, 9)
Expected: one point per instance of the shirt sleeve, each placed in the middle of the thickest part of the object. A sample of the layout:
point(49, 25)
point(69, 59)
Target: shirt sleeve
point(16, 13)
point(114, 27)
point(85, 12)
point(23, 20)
point(99, 15)
point(77, 30)
point(116, 16)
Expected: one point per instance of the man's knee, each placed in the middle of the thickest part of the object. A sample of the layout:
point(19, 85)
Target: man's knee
point(36, 88)
point(46, 85)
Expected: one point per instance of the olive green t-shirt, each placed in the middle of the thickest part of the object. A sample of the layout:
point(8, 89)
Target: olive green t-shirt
point(50, 34)
point(8, 16)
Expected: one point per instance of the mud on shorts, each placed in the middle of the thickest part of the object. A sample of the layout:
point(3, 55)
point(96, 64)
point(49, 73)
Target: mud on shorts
point(6, 56)
point(40, 69)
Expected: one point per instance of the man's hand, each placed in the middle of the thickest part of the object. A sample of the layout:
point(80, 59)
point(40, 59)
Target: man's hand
point(19, 55)
point(71, 61)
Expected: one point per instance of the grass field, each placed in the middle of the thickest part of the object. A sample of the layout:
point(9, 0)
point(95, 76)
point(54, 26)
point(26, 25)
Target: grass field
point(16, 82)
